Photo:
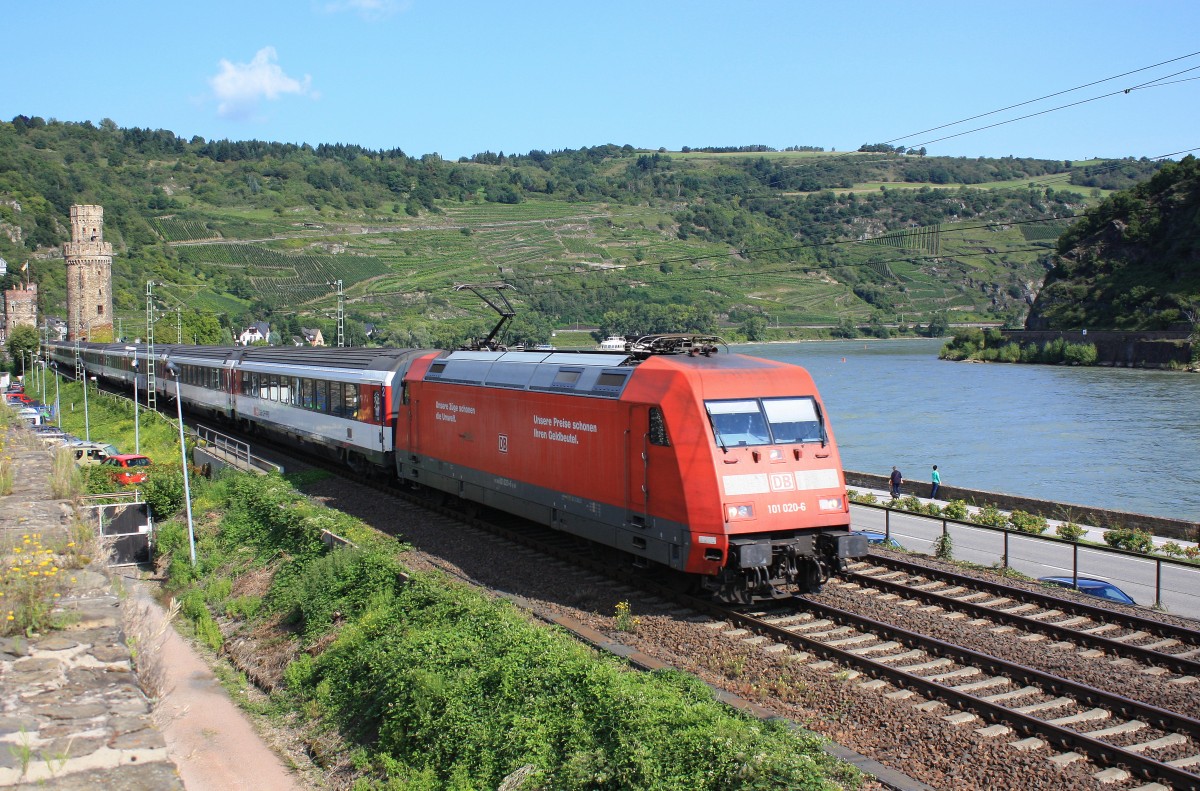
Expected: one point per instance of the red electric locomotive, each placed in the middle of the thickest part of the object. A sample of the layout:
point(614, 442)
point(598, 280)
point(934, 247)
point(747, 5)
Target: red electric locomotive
point(718, 466)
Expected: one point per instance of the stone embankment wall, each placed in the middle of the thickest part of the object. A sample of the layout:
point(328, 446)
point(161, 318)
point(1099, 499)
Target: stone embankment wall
point(72, 713)
point(1121, 349)
point(1178, 529)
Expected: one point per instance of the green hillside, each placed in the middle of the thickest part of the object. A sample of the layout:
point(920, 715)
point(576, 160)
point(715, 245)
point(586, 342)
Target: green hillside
point(610, 237)
point(1134, 263)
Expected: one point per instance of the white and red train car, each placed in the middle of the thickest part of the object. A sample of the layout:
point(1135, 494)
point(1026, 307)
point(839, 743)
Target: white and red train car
point(721, 467)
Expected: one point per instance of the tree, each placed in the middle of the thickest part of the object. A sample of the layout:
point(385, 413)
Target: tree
point(939, 326)
point(22, 341)
point(754, 328)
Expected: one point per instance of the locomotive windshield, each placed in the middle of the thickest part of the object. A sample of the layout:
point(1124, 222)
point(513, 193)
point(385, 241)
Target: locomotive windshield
point(766, 421)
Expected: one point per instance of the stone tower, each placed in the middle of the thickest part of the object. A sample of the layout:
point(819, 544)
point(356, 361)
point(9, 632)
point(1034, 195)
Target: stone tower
point(20, 307)
point(89, 276)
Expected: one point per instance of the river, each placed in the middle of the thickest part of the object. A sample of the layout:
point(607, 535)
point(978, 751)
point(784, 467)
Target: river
point(1119, 438)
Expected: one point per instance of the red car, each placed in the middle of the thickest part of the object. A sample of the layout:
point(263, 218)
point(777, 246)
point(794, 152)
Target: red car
point(21, 398)
point(131, 467)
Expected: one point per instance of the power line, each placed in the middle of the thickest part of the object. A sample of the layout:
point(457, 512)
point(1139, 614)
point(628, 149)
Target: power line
point(1051, 110)
point(1040, 98)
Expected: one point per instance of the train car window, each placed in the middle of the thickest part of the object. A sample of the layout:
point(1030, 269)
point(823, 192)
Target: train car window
point(336, 404)
point(246, 383)
point(658, 427)
point(404, 393)
point(794, 420)
point(738, 422)
point(295, 391)
point(610, 380)
point(437, 368)
point(566, 377)
point(216, 379)
point(273, 387)
point(306, 393)
point(350, 401)
point(321, 397)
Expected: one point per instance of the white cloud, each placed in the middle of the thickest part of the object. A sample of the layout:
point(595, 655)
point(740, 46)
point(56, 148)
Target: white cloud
point(240, 87)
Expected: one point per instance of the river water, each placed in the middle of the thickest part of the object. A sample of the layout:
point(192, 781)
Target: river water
point(1117, 438)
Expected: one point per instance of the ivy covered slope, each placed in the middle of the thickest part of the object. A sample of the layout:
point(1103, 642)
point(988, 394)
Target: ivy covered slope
point(1133, 263)
point(609, 236)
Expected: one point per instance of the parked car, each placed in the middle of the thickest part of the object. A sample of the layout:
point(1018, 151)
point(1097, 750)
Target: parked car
point(31, 416)
point(50, 435)
point(93, 452)
point(17, 398)
point(130, 467)
point(876, 538)
point(1092, 587)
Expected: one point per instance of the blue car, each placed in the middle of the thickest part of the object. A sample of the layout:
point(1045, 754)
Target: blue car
point(876, 538)
point(1092, 587)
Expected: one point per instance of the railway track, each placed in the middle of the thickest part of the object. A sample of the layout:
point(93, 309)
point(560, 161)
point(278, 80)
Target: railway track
point(1116, 633)
point(1042, 708)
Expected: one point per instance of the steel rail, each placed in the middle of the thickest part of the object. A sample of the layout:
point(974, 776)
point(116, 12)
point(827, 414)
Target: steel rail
point(1179, 664)
point(1127, 620)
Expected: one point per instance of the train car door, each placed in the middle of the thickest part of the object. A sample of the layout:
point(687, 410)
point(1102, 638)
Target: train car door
point(636, 465)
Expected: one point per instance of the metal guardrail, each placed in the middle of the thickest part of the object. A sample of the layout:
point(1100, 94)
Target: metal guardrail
point(1075, 546)
point(233, 449)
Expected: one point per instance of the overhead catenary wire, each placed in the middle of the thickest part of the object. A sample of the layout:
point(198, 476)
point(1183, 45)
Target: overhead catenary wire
point(1042, 98)
point(1119, 92)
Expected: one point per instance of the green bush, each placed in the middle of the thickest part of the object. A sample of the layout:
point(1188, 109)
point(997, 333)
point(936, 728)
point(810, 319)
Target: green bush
point(1080, 353)
point(447, 682)
point(1009, 353)
point(1028, 523)
point(910, 502)
point(943, 547)
point(932, 509)
point(163, 492)
point(990, 515)
point(341, 584)
point(1130, 539)
point(1172, 550)
point(955, 509)
point(1070, 531)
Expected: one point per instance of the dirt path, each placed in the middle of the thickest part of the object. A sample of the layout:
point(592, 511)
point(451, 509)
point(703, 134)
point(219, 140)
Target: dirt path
point(208, 737)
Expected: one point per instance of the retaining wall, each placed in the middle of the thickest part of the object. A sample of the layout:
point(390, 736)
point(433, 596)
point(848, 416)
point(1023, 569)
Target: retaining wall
point(1179, 529)
point(1150, 349)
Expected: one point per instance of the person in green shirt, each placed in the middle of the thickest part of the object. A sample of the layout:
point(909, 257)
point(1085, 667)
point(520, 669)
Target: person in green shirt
point(937, 483)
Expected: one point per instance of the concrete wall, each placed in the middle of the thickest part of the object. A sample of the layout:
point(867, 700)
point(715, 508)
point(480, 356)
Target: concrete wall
point(1080, 514)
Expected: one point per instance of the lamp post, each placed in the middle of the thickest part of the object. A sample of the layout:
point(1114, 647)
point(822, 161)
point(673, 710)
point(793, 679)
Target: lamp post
point(137, 429)
point(57, 405)
point(173, 369)
point(87, 426)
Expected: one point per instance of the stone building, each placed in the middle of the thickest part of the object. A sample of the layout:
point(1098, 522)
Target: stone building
point(89, 276)
point(20, 307)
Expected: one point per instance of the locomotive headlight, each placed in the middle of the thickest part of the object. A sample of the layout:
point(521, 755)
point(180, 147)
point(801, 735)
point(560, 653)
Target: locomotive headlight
point(739, 511)
point(830, 503)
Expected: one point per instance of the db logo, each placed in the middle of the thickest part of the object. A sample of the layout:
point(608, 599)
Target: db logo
point(503, 443)
point(782, 482)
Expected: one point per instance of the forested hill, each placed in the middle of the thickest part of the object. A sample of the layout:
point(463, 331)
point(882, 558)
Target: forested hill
point(1133, 263)
point(740, 240)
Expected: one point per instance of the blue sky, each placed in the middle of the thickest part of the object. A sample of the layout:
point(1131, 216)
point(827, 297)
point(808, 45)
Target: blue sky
point(458, 77)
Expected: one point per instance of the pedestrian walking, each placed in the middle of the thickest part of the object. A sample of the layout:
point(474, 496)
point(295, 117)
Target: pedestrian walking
point(896, 479)
point(937, 483)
